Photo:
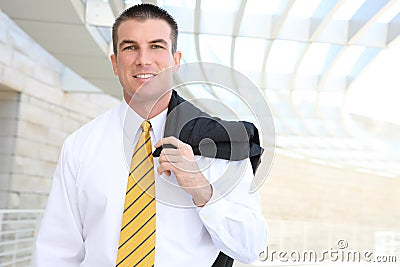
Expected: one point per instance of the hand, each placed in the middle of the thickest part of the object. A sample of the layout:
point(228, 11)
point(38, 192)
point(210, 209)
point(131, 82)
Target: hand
point(181, 162)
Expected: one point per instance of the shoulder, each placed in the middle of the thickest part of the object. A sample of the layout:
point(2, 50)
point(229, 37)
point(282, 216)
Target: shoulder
point(84, 142)
point(92, 139)
point(97, 126)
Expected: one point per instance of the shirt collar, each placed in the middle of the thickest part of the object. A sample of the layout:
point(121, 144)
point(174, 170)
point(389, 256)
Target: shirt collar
point(131, 122)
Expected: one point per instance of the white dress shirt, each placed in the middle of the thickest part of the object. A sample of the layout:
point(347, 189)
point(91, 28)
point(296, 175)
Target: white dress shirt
point(82, 221)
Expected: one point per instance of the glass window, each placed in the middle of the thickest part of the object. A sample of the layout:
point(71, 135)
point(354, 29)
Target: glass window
point(283, 56)
point(269, 7)
point(304, 8)
point(215, 48)
point(347, 9)
point(249, 53)
point(347, 60)
point(220, 5)
point(314, 59)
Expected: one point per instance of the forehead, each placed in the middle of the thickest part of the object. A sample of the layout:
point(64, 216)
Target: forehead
point(146, 30)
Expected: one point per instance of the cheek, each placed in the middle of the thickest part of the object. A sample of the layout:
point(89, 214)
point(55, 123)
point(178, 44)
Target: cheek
point(164, 58)
point(123, 67)
point(167, 62)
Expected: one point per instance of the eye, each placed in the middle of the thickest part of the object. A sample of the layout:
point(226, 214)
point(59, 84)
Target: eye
point(131, 47)
point(157, 47)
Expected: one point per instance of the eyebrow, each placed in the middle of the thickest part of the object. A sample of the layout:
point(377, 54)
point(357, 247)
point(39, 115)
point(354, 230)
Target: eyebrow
point(159, 41)
point(124, 42)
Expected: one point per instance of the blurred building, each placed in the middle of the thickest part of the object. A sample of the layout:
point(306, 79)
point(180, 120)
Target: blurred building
point(327, 69)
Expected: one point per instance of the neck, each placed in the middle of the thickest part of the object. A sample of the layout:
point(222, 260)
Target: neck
point(151, 108)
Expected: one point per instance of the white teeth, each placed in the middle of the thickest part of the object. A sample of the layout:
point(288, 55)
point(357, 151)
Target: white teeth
point(144, 76)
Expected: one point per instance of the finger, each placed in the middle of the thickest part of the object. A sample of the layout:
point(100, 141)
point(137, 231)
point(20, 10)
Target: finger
point(177, 167)
point(162, 141)
point(170, 151)
point(166, 168)
point(169, 158)
point(167, 173)
point(169, 140)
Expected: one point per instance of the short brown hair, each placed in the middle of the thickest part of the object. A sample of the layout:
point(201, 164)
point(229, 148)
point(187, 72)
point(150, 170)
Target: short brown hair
point(143, 12)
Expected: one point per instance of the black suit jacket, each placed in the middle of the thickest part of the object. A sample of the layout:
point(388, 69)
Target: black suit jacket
point(210, 136)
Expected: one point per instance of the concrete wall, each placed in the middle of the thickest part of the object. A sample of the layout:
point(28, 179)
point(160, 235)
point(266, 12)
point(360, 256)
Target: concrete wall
point(313, 206)
point(9, 103)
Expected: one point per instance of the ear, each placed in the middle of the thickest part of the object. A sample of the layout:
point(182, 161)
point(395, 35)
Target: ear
point(177, 60)
point(114, 64)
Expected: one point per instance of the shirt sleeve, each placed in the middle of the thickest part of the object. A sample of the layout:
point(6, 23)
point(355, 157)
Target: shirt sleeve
point(233, 215)
point(59, 241)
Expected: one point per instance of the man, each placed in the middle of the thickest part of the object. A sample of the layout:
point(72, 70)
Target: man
point(90, 207)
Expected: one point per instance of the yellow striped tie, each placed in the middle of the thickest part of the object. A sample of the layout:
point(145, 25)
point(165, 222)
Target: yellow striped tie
point(138, 230)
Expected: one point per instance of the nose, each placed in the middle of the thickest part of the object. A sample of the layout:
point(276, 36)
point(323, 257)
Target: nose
point(143, 58)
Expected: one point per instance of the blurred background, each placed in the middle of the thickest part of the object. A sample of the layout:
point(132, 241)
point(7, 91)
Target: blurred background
point(328, 70)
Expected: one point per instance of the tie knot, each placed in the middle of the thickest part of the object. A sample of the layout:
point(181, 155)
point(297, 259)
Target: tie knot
point(145, 126)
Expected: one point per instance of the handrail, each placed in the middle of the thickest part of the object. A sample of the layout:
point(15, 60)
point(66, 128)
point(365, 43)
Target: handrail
point(18, 211)
point(18, 228)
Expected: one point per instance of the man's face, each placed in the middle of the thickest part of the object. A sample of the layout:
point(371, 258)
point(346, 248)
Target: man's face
point(144, 50)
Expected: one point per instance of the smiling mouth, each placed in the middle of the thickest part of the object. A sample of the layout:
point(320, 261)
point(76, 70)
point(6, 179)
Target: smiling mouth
point(144, 75)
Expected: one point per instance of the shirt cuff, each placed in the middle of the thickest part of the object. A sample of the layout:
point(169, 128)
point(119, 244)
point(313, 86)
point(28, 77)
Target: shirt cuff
point(213, 212)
